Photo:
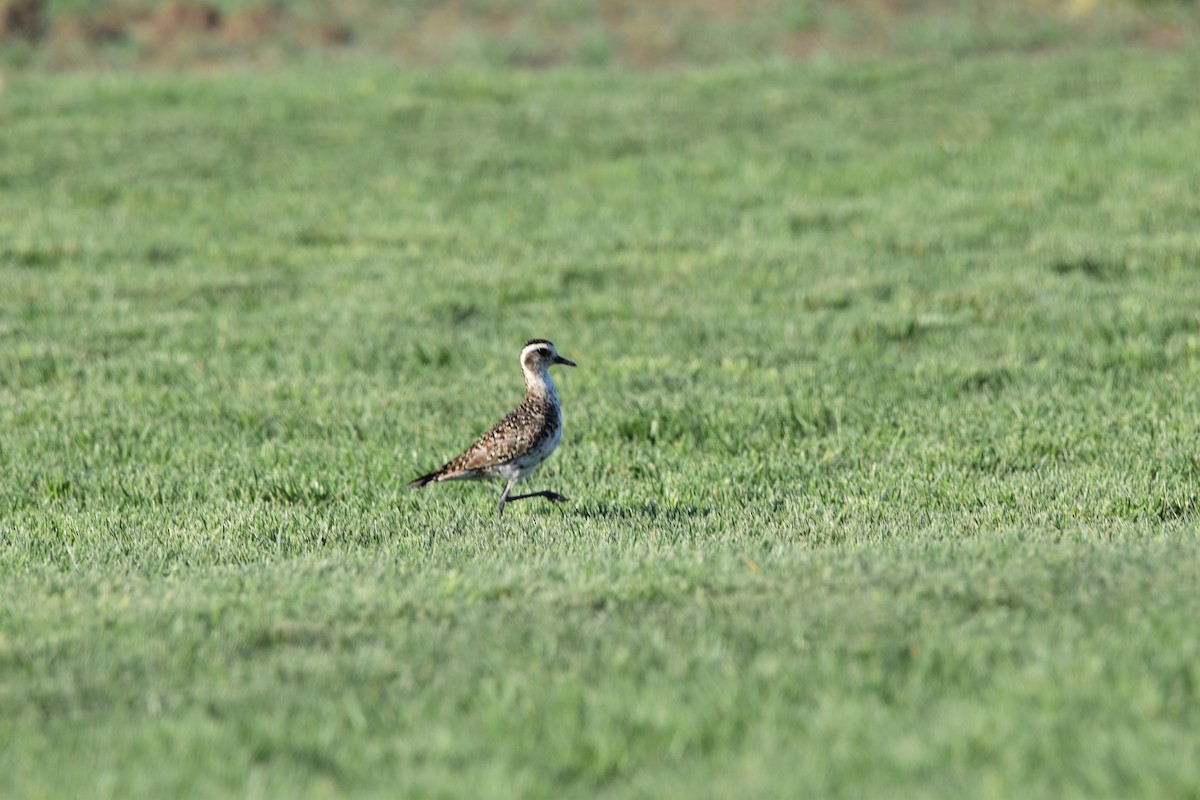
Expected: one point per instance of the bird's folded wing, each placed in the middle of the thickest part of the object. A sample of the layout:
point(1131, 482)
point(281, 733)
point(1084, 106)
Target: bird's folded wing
point(503, 442)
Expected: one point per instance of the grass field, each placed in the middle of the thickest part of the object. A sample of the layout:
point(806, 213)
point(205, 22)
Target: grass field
point(882, 450)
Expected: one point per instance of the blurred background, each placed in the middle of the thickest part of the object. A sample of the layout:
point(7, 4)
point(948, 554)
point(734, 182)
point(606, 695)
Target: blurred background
point(548, 34)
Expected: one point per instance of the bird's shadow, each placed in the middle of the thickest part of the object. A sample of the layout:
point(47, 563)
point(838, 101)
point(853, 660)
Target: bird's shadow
point(675, 513)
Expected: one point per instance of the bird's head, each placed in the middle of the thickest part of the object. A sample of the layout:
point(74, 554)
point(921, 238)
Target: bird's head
point(538, 355)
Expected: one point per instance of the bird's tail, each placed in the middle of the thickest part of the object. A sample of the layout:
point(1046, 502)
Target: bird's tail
point(424, 479)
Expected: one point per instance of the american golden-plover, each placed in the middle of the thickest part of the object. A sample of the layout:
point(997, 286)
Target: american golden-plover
point(516, 445)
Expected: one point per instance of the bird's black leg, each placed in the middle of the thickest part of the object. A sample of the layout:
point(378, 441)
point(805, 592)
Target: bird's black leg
point(554, 497)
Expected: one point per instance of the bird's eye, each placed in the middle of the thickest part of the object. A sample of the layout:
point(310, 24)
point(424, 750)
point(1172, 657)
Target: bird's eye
point(544, 352)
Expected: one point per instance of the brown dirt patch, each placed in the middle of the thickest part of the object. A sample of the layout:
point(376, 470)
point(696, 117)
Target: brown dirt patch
point(180, 18)
point(22, 19)
point(252, 24)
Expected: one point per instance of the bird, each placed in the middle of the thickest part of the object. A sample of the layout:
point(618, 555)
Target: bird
point(517, 444)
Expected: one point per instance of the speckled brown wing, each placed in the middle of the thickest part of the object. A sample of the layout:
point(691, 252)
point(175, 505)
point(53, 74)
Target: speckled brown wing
point(521, 430)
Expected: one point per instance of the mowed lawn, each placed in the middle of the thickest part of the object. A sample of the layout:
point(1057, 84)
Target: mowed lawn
point(882, 452)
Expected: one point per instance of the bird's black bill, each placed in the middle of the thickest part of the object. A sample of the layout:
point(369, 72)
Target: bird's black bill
point(564, 361)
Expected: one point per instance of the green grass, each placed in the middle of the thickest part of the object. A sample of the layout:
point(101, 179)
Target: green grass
point(882, 449)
